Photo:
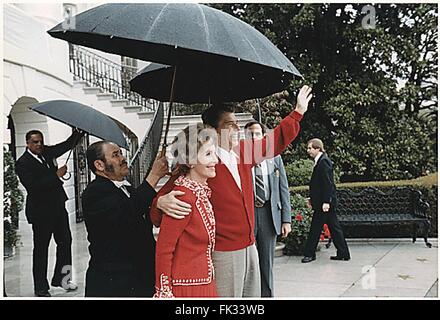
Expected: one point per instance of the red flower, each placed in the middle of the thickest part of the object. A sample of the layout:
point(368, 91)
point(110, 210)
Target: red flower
point(326, 231)
point(299, 217)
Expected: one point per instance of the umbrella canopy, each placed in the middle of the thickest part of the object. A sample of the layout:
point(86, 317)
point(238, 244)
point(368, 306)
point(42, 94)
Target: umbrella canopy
point(180, 34)
point(195, 85)
point(192, 35)
point(80, 116)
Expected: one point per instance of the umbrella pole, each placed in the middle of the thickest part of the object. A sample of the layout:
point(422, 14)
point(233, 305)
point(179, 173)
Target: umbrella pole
point(259, 110)
point(68, 174)
point(68, 157)
point(167, 127)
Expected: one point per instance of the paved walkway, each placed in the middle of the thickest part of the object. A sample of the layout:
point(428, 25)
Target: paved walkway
point(388, 268)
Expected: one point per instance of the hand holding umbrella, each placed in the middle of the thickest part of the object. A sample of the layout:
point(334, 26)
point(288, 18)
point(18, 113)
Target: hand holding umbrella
point(61, 172)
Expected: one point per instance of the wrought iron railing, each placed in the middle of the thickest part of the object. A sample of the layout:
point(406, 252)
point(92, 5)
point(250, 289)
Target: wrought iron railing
point(114, 78)
point(111, 77)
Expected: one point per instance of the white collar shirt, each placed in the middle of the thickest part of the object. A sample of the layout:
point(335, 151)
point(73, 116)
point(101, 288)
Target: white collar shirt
point(36, 157)
point(317, 157)
point(230, 159)
point(122, 185)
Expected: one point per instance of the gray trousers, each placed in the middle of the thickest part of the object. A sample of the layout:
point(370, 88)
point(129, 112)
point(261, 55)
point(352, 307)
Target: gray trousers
point(237, 273)
point(266, 239)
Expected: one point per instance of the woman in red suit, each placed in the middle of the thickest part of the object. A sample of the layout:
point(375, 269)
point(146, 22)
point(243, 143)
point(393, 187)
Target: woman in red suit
point(184, 247)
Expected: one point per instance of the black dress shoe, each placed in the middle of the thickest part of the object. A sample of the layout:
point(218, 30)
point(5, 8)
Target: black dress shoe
point(42, 293)
point(308, 259)
point(339, 258)
point(69, 286)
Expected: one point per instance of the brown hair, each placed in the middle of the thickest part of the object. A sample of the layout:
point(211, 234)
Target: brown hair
point(187, 143)
point(251, 123)
point(212, 115)
point(316, 144)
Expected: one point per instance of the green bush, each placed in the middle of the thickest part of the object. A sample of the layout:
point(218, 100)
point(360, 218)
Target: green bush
point(299, 172)
point(301, 220)
point(12, 200)
point(427, 185)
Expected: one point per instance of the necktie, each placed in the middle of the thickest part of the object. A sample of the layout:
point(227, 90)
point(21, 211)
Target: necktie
point(42, 160)
point(260, 191)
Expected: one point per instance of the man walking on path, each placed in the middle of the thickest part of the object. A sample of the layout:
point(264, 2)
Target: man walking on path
point(324, 203)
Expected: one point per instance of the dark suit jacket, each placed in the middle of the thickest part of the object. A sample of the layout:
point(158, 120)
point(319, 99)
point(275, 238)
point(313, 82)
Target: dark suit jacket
point(122, 247)
point(322, 185)
point(45, 193)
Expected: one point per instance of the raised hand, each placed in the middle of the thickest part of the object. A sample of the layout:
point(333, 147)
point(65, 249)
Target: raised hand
point(303, 99)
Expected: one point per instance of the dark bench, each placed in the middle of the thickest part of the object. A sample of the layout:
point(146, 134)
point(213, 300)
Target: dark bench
point(401, 205)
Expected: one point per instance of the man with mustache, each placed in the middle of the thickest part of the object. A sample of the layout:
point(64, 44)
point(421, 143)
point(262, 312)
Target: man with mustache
point(120, 234)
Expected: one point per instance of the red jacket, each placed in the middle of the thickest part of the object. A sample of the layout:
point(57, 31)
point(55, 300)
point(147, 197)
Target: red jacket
point(184, 247)
point(234, 208)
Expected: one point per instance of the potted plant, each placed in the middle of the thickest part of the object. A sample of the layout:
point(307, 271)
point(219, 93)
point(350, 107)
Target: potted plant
point(12, 204)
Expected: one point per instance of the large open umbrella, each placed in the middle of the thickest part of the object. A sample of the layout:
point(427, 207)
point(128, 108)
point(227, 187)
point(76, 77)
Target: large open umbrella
point(196, 85)
point(82, 117)
point(182, 34)
point(175, 34)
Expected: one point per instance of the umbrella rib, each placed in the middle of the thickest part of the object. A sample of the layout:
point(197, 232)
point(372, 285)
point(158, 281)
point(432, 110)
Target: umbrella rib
point(205, 23)
point(260, 40)
point(253, 49)
point(147, 36)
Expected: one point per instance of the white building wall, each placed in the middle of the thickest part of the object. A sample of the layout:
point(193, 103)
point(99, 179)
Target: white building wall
point(36, 69)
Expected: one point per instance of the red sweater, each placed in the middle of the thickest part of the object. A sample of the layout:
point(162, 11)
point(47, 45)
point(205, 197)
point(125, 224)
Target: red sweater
point(234, 208)
point(184, 247)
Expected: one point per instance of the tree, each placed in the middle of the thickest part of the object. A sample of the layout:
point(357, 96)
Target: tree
point(375, 89)
point(12, 201)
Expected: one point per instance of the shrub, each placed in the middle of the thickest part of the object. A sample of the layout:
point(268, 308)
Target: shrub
point(301, 220)
point(12, 200)
point(299, 172)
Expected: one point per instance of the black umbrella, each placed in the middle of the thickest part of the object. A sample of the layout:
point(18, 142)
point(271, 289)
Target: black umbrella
point(175, 34)
point(82, 117)
point(196, 85)
point(183, 34)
